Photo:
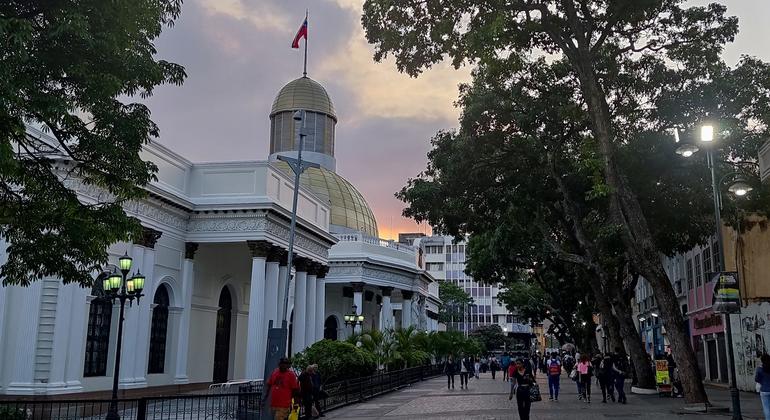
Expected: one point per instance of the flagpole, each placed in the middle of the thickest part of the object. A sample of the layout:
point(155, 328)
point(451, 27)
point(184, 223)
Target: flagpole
point(304, 69)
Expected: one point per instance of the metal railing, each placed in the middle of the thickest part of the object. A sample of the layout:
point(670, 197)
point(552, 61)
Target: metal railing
point(241, 404)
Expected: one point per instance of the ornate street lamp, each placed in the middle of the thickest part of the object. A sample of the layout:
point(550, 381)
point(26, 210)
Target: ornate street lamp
point(354, 319)
point(117, 285)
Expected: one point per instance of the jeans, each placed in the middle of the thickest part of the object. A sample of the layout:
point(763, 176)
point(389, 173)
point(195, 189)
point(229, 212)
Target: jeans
point(765, 397)
point(463, 379)
point(586, 382)
point(450, 379)
point(619, 386)
point(608, 387)
point(522, 402)
point(553, 385)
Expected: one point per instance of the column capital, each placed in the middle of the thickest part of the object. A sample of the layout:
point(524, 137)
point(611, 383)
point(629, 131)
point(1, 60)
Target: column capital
point(301, 263)
point(407, 294)
point(148, 237)
point(277, 254)
point(190, 248)
point(322, 271)
point(358, 286)
point(259, 249)
point(386, 291)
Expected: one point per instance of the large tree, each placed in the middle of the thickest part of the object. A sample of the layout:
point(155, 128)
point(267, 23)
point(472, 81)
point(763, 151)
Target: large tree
point(606, 44)
point(454, 302)
point(71, 69)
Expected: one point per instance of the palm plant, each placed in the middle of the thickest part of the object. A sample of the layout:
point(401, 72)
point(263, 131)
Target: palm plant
point(380, 344)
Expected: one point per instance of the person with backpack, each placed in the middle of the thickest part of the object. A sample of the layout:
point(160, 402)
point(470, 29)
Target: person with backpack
point(620, 368)
point(585, 372)
point(606, 378)
point(554, 376)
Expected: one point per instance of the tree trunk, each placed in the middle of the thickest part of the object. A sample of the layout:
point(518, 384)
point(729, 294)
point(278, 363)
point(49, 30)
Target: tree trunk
point(645, 376)
point(636, 235)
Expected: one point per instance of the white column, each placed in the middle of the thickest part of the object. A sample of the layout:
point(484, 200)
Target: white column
point(406, 308)
point(142, 349)
point(183, 339)
point(387, 308)
point(23, 309)
point(272, 303)
point(256, 335)
point(62, 335)
point(77, 329)
point(300, 306)
point(283, 312)
point(320, 304)
point(311, 312)
point(358, 301)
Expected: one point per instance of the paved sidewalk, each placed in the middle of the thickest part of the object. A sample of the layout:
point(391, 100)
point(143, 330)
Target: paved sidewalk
point(488, 400)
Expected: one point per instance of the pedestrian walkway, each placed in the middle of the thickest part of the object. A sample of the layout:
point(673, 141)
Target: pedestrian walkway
point(487, 399)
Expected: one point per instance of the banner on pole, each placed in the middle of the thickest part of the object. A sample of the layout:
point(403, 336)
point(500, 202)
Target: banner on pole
point(727, 299)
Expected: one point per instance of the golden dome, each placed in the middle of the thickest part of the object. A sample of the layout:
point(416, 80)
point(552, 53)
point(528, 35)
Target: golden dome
point(303, 93)
point(348, 206)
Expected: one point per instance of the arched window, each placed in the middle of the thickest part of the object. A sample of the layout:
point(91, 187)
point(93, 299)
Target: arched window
point(222, 337)
point(158, 331)
point(330, 328)
point(98, 334)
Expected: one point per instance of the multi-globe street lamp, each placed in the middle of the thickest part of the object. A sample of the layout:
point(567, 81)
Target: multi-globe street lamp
point(354, 319)
point(117, 285)
point(740, 188)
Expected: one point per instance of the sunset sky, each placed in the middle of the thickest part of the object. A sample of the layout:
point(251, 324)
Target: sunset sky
point(237, 55)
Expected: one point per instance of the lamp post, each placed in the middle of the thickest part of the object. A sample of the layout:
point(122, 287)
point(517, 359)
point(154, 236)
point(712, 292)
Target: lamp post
point(118, 286)
point(740, 188)
point(297, 166)
point(354, 319)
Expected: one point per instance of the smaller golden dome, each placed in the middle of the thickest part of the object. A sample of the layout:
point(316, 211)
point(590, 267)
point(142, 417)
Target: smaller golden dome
point(303, 93)
point(348, 207)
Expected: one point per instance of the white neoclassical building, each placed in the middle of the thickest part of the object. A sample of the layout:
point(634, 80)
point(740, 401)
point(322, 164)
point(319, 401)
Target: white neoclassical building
point(214, 256)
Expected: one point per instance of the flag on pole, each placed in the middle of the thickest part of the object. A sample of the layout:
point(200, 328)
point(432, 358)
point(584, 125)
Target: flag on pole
point(301, 33)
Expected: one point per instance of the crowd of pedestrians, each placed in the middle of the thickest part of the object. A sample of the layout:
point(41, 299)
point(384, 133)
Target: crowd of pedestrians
point(285, 391)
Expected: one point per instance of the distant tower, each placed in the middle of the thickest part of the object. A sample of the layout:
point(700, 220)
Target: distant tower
point(304, 93)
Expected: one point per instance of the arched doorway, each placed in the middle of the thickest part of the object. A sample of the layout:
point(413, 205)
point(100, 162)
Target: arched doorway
point(222, 341)
point(158, 331)
point(330, 328)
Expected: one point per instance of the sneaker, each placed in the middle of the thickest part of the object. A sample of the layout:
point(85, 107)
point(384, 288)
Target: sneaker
point(550, 398)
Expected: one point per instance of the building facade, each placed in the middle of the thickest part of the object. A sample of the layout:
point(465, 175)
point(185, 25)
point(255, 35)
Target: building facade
point(445, 261)
point(214, 256)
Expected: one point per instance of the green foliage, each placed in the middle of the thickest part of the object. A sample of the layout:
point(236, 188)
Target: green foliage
point(454, 299)
point(12, 413)
point(71, 68)
point(336, 360)
point(490, 337)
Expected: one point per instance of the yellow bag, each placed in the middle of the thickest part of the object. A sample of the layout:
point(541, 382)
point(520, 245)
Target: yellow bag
point(294, 415)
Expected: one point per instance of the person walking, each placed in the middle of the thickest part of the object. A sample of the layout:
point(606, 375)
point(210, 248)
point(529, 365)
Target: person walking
point(521, 381)
point(494, 367)
point(282, 386)
point(762, 378)
point(585, 372)
point(620, 368)
point(466, 367)
point(505, 362)
point(476, 367)
point(306, 392)
point(318, 393)
point(604, 374)
point(450, 369)
point(554, 376)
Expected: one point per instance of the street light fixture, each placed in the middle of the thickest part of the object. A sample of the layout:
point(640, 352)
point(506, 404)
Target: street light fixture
point(740, 188)
point(117, 285)
point(354, 319)
point(687, 150)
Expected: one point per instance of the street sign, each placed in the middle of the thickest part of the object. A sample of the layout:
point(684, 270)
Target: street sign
point(727, 299)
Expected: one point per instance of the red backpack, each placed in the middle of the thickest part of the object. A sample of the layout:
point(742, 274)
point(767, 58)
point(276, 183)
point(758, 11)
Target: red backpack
point(554, 368)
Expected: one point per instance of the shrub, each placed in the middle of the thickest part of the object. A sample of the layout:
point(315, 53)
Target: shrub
point(336, 360)
point(12, 413)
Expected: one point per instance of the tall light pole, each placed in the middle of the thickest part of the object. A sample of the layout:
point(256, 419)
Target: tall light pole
point(707, 137)
point(116, 285)
point(297, 166)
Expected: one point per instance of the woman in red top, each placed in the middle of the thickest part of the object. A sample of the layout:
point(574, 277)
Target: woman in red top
point(282, 386)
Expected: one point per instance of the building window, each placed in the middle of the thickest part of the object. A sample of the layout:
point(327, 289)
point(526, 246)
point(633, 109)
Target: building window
point(706, 255)
point(698, 274)
point(689, 274)
point(158, 330)
point(434, 266)
point(715, 255)
point(98, 334)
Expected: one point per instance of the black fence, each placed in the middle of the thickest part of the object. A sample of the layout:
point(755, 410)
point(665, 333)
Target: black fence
point(242, 404)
